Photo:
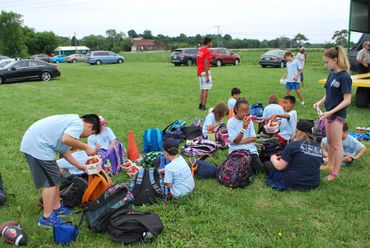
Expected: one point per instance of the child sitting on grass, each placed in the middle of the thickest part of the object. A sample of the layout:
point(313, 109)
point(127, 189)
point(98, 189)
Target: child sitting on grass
point(353, 149)
point(214, 119)
point(106, 139)
point(273, 108)
point(242, 134)
point(235, 95)
point(298, 166)
point(287, 130)
point(177, 174)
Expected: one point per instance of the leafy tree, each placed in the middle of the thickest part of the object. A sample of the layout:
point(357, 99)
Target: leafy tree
point(132, 33)
point(74, 41)
point(63, 41)
point(340, 37)
point(42, 42)
point(227, 37)
point(299, 40)
point(147, 34)
point(11, 35)
point(94, 42)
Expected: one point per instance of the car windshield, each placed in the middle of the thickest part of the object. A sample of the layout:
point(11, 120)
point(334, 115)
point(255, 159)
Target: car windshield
point(274, 53)
point(5, 62)
point(9, 64)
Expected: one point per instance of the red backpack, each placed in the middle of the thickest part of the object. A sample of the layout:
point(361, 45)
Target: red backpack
point(235, 171)
point(222, 137)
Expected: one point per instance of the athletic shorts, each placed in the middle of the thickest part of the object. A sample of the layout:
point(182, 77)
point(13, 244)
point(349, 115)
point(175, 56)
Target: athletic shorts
point(292, 86)
point(45, 173)
point(204, 85)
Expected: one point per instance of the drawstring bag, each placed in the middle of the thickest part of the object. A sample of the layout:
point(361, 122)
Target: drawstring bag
point(65, 233)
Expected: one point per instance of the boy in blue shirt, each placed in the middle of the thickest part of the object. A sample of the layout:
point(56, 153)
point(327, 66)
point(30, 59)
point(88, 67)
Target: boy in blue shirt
point(293, 75)
point(235, 95)
point(177, 174)
point(353, 149)
point(40, 145)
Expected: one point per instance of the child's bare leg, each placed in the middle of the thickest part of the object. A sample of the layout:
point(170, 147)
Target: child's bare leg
point(300, 95)
point(334, 132)
point(49, 198)
point(288, 92)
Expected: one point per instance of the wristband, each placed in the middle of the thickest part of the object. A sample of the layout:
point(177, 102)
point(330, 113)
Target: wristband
point(242, 131)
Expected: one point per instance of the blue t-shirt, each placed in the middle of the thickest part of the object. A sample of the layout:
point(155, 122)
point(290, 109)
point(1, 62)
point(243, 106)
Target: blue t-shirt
point(303, 169)
point(272, 109)
point(210, 120)
point(285, 130)
point(104, 138)
point(292, 121)
point(42, 140)
point(234, 126)
point(231, 103)
point(293, 68)
point(336, 85)
point(179, 175)
point(351, 146)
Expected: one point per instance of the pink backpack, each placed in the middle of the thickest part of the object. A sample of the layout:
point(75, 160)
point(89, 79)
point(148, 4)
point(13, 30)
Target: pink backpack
point(222, 137)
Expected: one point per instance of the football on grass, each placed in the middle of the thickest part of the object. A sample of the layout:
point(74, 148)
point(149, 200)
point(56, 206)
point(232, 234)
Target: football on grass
point(14, 235)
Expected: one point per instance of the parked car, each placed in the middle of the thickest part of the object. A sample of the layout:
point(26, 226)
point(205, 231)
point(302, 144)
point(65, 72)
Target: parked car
point(73, 58)
point(20, 70)
point(103, 57)
point(186, 56)
point(4, 57)
point(273, 58)
point(41, 56)
point(222, 56)
point(57, 59)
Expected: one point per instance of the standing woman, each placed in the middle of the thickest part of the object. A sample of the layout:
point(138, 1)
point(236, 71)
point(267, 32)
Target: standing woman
point(338, 96)
point(301, 57)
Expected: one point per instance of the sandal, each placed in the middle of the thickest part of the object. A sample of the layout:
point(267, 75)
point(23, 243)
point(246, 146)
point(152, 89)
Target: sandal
point(332, 176)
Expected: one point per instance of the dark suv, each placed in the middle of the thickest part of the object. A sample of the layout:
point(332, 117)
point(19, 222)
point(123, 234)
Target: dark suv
point(222, 56)
point(186, 56)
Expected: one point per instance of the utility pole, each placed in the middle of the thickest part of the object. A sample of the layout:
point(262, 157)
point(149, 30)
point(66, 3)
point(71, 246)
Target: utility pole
point(218, 35)
point(75, 41)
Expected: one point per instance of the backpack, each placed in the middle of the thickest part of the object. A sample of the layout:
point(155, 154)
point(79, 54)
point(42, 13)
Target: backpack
point(173, 131)
point(72, 193)
point(160, 162)
point(129, 226)
point(149, 159)
point(203, 169)
point(147, 187)
point(176, 125)
point(270, 147)
point(2, 192)
point(98, 212)
point(256, 109)
point(222, 136)
point(114, 156)
point(235, 171)
point(152, 138)
point(192, 132)
point(199, 147)
point(97, 185)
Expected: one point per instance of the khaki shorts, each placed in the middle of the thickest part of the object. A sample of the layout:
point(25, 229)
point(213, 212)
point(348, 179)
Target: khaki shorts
point(204, 85)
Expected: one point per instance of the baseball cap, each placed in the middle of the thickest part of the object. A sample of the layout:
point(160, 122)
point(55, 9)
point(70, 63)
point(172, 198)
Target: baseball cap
point(102, 121)
point(305, 126)
point(170, 145)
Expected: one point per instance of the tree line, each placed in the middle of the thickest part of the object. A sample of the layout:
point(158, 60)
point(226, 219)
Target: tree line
point(19, 40)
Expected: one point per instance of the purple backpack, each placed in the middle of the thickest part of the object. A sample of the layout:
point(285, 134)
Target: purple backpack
point(199, 147)
point(222, 137)
point(235, 171)
point(114, 155)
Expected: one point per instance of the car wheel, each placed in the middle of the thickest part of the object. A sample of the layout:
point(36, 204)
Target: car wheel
point(282, 64)
point(57, 61)
point(189, 62)
point(98, 62)
point(263, 66)
point(74, 61)
point(237, 62)
point(45, 76)
point(362, 97)
point(120, 61)
point(177, 64)
point(218, 62)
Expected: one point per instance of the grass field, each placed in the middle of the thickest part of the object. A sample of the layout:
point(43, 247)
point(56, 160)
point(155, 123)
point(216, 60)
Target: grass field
point(145, 93)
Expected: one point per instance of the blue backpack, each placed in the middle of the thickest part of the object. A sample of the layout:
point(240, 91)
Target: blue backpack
point(152, 138)
point(174, 126)
point(256, 109)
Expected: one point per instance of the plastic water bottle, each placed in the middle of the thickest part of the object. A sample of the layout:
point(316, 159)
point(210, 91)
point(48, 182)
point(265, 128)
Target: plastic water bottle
point(108, 166)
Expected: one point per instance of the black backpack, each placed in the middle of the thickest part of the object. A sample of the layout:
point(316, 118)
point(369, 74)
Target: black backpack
point(98, 212)
point(129, 226)
point(269, 147)
point(73, 190)
point(147, 186)
point(2, 192)
point(192, 132)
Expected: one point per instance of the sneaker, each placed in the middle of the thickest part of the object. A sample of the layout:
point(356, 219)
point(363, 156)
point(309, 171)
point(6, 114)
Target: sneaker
point(49, 221)
point(63, 210)
point(302, 103)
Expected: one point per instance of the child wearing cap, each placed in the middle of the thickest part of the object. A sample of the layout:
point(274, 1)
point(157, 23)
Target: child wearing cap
point(298, 166)
point(177, 174)
point(106, 139)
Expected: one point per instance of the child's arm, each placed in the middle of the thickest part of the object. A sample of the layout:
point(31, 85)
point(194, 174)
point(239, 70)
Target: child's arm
point(68, 156)
point(72, 142)
point(298, 75)
point(346, 101)
point(360, 153)
point(248, 140)
point(278, 162)
point(239, 138)
point(319, 103)
point(286, 116)
point(324, 151)
point(214, 125)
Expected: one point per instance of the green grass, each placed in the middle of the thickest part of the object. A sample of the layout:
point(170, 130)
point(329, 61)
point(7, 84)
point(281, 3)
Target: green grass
point(143, 93)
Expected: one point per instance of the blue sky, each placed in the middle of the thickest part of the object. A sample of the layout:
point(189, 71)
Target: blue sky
point(265, 19)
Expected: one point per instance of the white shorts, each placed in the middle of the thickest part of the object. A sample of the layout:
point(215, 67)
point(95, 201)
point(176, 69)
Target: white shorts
point(204, 85)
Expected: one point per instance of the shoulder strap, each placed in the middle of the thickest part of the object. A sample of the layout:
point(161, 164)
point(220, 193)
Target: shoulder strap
point(136, 184)
point(166, 128)
point(155, 186)
point(92, 184)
